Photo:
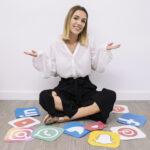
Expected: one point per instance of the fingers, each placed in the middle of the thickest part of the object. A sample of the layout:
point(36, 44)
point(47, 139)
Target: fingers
point(28, 53)
point(117, 46)
point(110, 47)
point(33, 53)
point(110, 44)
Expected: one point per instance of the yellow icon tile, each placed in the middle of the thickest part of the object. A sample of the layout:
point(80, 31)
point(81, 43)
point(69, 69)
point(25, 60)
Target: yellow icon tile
point(104, 138)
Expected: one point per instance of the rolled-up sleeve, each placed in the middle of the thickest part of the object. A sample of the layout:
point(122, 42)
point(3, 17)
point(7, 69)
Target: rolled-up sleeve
point(100, 57)
point(46, 63)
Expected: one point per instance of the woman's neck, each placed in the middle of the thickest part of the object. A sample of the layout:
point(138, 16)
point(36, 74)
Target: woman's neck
point(73, 38)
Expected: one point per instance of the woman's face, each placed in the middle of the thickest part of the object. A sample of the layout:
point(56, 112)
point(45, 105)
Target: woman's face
point(78, 22)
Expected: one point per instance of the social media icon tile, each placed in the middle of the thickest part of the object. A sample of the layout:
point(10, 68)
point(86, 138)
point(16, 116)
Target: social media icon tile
point(95, 126)
point(128, 132)
point(47, 133)
point(19, 135)
point(26, 112)
point(132, 119)
point(120, 109)
point(24, 122)
point(75, 129)
point(104, 138)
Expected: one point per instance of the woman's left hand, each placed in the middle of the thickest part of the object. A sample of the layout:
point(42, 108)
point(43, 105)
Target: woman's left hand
point(110, 46)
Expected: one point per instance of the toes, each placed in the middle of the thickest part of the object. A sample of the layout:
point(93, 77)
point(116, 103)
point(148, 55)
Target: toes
point(48, 120)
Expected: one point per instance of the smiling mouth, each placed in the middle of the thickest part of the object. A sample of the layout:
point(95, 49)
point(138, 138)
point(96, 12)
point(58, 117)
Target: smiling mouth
point(77, 28)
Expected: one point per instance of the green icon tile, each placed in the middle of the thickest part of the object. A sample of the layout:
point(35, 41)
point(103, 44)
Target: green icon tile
point(47, 133)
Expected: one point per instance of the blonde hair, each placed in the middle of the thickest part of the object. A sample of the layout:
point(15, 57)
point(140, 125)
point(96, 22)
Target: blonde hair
point(82, 38)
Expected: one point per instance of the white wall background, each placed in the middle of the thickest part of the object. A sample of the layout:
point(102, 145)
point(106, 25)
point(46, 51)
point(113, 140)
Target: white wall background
point(33, 24)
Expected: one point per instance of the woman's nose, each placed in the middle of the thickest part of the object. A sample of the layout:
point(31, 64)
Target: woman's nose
point(79, 22)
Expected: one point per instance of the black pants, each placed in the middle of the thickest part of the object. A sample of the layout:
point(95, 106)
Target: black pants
point(76, 93)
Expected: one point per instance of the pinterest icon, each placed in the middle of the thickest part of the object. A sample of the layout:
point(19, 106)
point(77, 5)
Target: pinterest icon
point(128, 132)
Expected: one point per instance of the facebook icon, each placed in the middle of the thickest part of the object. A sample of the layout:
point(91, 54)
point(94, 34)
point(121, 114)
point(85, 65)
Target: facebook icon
point(132, 119)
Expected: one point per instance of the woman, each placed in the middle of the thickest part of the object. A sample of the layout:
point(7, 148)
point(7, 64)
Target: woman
point(72, 57)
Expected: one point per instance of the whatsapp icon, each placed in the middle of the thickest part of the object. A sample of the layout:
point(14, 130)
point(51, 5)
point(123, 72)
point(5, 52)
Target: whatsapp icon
point(47, 133)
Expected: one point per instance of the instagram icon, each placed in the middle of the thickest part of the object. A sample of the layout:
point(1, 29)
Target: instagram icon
point(19, 135)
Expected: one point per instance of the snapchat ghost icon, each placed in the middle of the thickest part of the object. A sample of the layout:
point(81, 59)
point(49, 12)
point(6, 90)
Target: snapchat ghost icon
point(104, 138)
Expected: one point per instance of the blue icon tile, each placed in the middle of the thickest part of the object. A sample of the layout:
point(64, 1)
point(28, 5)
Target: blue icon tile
point(26, 112)
point(132, 119)
point(75, 129)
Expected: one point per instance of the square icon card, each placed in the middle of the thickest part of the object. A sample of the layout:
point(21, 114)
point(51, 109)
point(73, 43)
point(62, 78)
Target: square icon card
point(47, 133)
point(75, 129)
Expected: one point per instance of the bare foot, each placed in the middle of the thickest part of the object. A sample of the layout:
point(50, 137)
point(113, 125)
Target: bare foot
point(61, 119)
point(48, 119)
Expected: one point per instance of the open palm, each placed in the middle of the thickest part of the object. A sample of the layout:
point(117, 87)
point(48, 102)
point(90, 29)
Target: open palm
point(110, 46)
point(32, 53)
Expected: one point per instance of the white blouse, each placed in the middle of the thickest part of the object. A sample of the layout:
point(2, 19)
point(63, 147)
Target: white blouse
point(60, 61)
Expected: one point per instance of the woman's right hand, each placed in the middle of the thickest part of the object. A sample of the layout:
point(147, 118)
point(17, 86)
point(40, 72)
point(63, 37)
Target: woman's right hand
point(33, 53)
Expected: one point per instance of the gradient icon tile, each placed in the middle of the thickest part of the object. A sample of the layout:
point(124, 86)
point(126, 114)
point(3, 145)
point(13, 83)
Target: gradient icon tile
point(19, 135)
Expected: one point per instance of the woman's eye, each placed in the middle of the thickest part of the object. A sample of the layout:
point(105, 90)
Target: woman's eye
point(75, 18)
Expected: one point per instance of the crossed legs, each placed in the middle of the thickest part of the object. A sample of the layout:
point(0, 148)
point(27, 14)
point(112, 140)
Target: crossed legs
point(82, 111)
